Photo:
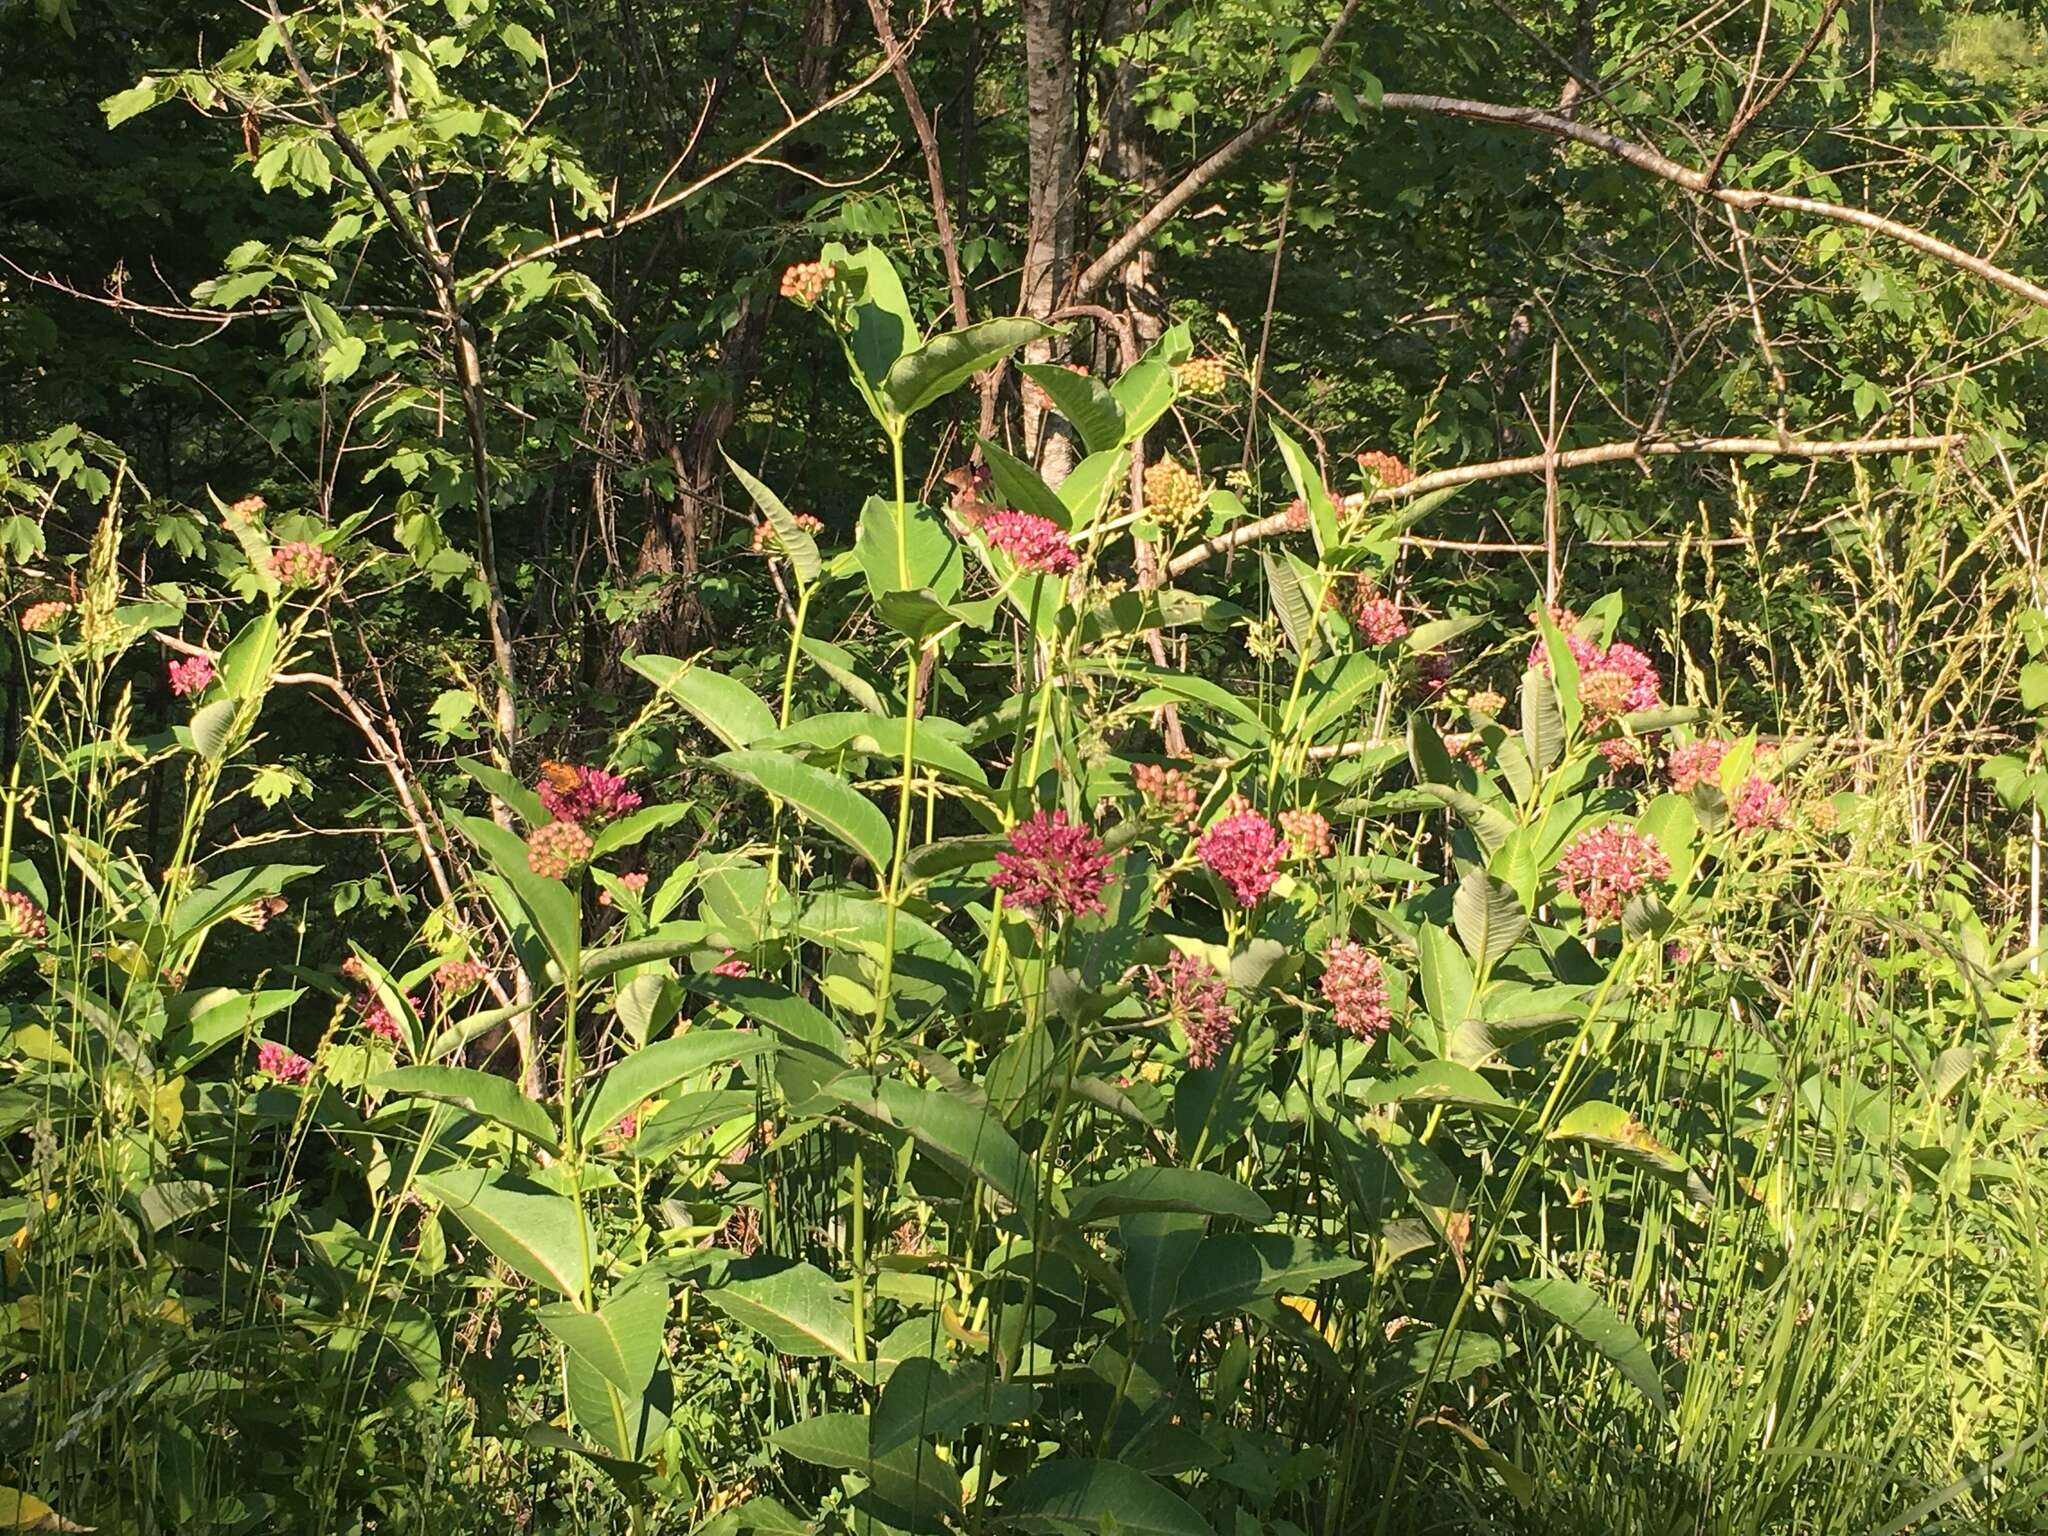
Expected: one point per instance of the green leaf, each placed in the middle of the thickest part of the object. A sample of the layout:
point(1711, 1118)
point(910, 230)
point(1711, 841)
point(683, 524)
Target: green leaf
point(778, 1008)
point(1085, 401)
point(1489, 917)
point(521, 42)
point(728, 709)
point(880, 736)
point(951, 358)
point(246, 663)
point(819, 796)
point(907, 553)
point(133, 102)
point(839, 665)
point(922, 1400)
point(213, 728)
point(795, 1307)
point(659, 1066)
point(1308, 485)
point(1290, 600)
point(958, 1133)
point(622, 1340)
point(1070, 1493)
point(484, 1093)
point(508, 789)
point(1612, 1129)
point(1542, 721)
point(1447, 981)
point(910, 1479)
point(1229, 1272)
point(1184, 686)
point(883, 327)
point(1443, 1082)
point(1168, 1189)
point(795, 539)
point(526, 1227)
point(550, 906)
point(1019, 485)
point(1584, 1314)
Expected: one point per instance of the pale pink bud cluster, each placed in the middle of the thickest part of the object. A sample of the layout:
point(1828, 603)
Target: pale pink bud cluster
point(37, 617)
point(1243, 851)
point(585, 794)
point(1602, 868)
point(733, 965)
point(1355, 987)
point(1760, 806)
point(1621, 751)
point(1190, 993)
point(1307, 832)
point(458, 978)
point(1297, 515)
point(21, 918)
point(1384, 470)
point(806, 281)
point(1168, 792)
point(192, 675)
point(1054, 867)
point(299, 563)
point(636, 882)
point(1036, 543)
point(557, 850)
point(287, 1066)
point(1696, 763)
point(766, 540)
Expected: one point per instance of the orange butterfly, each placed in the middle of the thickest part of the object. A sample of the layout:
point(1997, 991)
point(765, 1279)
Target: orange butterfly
point(562, 778)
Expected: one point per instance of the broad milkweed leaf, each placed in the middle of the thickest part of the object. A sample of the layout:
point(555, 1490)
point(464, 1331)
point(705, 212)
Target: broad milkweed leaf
point(1168, 1189)
point(818, 796)
point(213, 727)
point(498, 782)
point(909, 552)
point(961, 1135)
point(1610, 1128)
point(795, 539)
point(528, 1228)
point(1290, 600)
point(651, 1069)
point(1542, 721)
point(795, 1307)
point(1443, 1082)
point(1447, 981)
point(1229, 1272)
point(1144, 394)
point(838, 664)
point(951, 358)
point(1085, 401)
point(910, 1480)
point(1020, 486)
point(550, 906)
point(1308, 485)
point(1489, 917)
point(922, 1400)
point(1072, 1493)
point(724, 706)
point(485, 1093)
point(1585, 1315)
point(622, 1340)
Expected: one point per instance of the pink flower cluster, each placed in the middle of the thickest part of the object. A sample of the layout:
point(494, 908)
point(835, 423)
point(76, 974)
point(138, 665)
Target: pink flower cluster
point(1054, 867)
point(1356, 989)
point(1621, 751)
point(1192, 995)
point(21, 918)
point(591, 795)
point(302, 564)
point(1619, 680)
point(1243, 851)
point(1378, 617)
point(1035, 543)
point(1602, 868)
point(457, 978)
point(732, 965)
point(1696, 763)
point(1760, 806)
point(192, 675)
point(557, 850)
point(370, 1010)
point(766, 538)
point(287, 1066)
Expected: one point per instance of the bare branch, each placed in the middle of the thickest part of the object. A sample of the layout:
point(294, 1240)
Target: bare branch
point(1575, 458)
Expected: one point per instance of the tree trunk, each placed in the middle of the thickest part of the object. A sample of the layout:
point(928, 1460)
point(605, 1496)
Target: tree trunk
point(1053, 203)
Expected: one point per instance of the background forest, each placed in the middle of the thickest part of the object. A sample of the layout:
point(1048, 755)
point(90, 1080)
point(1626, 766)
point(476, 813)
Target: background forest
point(1154, 766)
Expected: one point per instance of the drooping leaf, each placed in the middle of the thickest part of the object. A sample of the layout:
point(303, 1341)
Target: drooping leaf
point(621, 1340)
point(532, 1230)
point(484, 1093)
point(1586, 1315)
point(1308, 485)
point(1232, 1270)
point(951, 358)
point(965, 1137)
point(797, 1308)
point(818, 796)
point(1542, 721)
point(1085, 401)
point(1019, 485)
point(922, 1400)
point(1168, 1189)
point(1444, 1082)
point(725, 707)
point(1069, 1494)
point(910, 1481)
point(795, 539)
point(550, 906)
point(1489, 917)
